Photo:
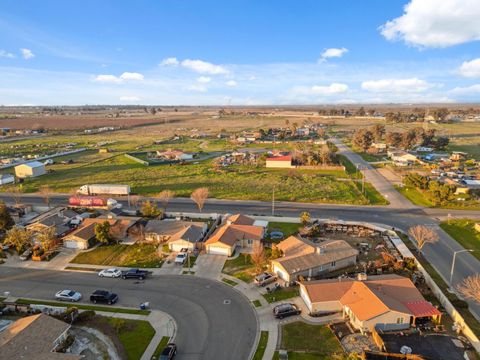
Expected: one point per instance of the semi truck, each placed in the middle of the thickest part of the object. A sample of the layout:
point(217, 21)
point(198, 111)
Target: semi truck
point(104, 189)
point(92, 202)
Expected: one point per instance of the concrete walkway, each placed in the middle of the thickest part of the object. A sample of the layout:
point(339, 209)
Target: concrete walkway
point(163, 324)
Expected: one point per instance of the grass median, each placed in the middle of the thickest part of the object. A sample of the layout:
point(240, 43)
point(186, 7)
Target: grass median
point(262, 345)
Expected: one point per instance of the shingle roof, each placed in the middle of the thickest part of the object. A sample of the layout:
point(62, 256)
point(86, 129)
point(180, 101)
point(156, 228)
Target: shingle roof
point(191, 233)
point(301, 255)
point(169, 227)
point(240, 219)
point(229, 234)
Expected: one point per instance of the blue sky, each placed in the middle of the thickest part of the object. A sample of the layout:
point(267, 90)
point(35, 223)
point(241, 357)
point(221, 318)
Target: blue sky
point(239, 52)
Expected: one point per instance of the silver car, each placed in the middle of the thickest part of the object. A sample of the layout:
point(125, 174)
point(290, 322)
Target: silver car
point(68, 295)
point(111, 273)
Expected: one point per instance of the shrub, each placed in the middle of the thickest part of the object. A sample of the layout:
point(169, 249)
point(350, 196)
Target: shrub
point(85, 316)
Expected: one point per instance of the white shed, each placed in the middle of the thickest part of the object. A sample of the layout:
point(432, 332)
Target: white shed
point(30, 169)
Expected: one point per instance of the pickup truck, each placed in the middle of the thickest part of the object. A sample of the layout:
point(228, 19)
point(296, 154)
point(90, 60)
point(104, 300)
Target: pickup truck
point(135, 274)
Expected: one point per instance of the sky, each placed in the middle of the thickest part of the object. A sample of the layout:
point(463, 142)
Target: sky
point(239, 52)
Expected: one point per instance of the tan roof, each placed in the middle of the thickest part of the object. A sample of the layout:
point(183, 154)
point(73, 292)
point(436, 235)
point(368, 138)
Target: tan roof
point(369, 298)
point(33, 337)
point(229, 234)
point(240, 219)
point(301, 255)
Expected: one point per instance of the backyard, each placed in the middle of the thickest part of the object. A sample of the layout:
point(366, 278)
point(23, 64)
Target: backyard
point(137, 255)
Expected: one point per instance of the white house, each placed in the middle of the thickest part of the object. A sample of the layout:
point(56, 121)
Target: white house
point(30, 169)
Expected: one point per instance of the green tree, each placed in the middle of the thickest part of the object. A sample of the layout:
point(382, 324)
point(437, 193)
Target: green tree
point(276, 252)
point(6, 221)
point(305, 218)
point(102, 232)
point(47, 238)
point(18, 237)
point(441, 142)
point(150, 209)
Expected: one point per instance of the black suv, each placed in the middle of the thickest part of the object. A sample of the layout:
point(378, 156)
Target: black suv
point(169, 352)
point(104, 296)
point(284, 310)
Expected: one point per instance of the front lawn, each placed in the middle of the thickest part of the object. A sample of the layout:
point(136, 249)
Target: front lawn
point(313, 339)
point(135, 336)
point(463, 230)
point(241, 267)
point(282, 294)
point(136, 255)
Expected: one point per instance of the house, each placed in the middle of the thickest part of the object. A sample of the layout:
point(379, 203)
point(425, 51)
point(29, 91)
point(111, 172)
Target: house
point(248, 137)
point(6, 179)
point(302, 131)
point(178, 234)
point(379, 146)
point(458, 156)
point(30, 169)
point(282, 161)
point(238, 231)
point(35, 337)
point(304, 258)
point(391, 301)
point(176, 155)
point(57, 218)
point(402, 158)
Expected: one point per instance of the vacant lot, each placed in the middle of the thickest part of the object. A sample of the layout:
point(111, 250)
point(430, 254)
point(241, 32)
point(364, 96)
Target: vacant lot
point(141, 256)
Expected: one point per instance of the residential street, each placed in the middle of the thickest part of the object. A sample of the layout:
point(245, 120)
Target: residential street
point(208, 327)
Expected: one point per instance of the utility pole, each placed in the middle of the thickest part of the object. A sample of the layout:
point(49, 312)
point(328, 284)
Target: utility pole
point(273, 201)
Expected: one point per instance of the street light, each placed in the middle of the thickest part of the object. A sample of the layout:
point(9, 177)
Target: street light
point(453, 263)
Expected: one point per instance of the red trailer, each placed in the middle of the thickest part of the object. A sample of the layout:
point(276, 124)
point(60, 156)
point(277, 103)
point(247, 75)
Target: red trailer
point(92, 202)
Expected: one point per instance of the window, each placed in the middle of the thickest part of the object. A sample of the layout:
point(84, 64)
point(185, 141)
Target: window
point(399, 320)
point(333, 264)
point(249, 241)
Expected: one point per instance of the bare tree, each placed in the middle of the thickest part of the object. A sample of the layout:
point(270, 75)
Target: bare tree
point(199, 196)
point(47, 239)
point(134, 200)
point(164, 197)
point(16, 195)
point(423, 235)
point(258, 256)
point(118, 231)
point(46, 193)
point(470, 287)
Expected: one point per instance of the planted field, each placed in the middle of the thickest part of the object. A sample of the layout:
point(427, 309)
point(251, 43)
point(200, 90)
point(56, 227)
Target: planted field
point(140, 256)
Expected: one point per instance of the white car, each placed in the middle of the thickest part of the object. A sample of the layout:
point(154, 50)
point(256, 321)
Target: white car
point(112, 273)
point(181, 258)
point(68, 295)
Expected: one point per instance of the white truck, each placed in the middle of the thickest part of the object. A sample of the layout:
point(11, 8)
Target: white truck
point(104, 189)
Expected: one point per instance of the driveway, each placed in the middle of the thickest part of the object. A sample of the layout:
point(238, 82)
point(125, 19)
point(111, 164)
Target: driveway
point(59, 262)
point(209, 266)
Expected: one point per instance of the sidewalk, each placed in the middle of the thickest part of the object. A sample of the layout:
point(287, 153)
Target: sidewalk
point(163, 324)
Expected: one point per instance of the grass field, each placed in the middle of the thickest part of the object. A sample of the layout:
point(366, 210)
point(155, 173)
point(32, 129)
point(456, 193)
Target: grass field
point(287, 229)
point(241, 267)
point(417, 198)
point(463, 231)
point(137, 255)
point(316, 340)
point(282, 294)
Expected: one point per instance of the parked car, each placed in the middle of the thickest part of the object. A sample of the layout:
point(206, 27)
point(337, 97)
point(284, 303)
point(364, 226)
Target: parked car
point(68, 295)
point(168, 352)
point(135, 274)
point(285, 310)
point(276, 235)
point(103, 296)
point(26, 254)
point(112, 273)
point(181, 258)
point(265, 279)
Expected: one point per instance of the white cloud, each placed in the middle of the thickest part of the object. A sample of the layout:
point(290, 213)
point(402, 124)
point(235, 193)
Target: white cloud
point(434, 23)
point(332, 89)
point(131, 76)
point(125, 77)
point(253, 77)
point(204, 79)
point(470, 68)
point(171, 61)
point(396, 85)
point(204, 67)
point(197, 87)
point(333, 53)
point(6, 54)
point(27, 53)
point(231, 83)
point(129, 98)
point(473, 89)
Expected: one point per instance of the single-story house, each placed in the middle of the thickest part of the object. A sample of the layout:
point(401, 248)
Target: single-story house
point(35, 337)
point(391, 301)
point(179, 234)
point(379, 146)
point(30, 169)
point(55, 218)
point(402, 158)
point(302, 131)
point(6, 179)
point(304, 258)
point(233, 235)
point(283, 161)
point(175, 155)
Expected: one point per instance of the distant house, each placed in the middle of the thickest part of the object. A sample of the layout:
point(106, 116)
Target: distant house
point(379, 146)
point(30, 169)
point(304, 258)
point(177, 155)
point(235, 233)
point(402, 158)
point(458, 156)
point(391, 301)
point(302, 131)
point(281, 161)
point(178, 234)
point(6, 179)
point(35, 337)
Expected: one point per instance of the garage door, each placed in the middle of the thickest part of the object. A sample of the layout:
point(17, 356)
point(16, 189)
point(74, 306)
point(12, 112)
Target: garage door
point(178, 247)
point(70, 244)
point(217, 250)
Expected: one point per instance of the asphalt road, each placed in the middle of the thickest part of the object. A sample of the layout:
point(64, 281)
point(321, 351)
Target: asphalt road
point(207, 327)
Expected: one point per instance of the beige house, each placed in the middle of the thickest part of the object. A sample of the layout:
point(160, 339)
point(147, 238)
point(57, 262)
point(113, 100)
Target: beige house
point(35, 337)
point(283, 162)
point(179, 234)
point(30, 169)
point(304, 258)
point(390, 301)
point(237, 232)
point(402, 158)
